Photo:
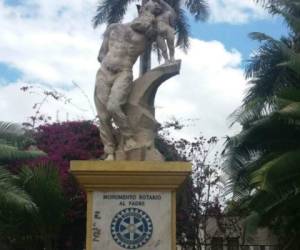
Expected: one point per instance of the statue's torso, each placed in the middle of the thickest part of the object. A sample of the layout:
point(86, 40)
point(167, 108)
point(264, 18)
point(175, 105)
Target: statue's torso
point(125, 45)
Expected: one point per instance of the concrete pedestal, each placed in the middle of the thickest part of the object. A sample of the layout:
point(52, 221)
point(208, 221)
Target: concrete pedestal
point(131, 205)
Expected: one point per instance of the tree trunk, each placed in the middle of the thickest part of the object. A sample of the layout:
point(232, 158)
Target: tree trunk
point(145, 60)
point(206, 209)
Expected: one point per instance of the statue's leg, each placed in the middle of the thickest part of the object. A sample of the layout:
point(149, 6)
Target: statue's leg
point(161, 43)
point(118, 97)
point(102, 91)
point(171, 42)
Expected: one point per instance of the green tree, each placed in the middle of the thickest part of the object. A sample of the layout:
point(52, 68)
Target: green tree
point(13, 142)
point(32, 204)
point(37, 228)
point(113, 11)
point(263, 160)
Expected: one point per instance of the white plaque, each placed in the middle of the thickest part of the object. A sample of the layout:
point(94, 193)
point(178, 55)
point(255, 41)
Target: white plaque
point(132, 220)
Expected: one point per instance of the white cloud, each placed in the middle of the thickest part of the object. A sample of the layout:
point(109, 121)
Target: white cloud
point(17, 106)
point(53, 44)
point(209, 88)
point(236, 11)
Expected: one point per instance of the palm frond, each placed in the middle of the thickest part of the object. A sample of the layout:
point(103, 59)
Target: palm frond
point(271, 207)
point(291, 112)
point(19, 141)
point(109, 11)
point(44, 185)
point(292, 60)
point(292, 21)
point(251, 111)
point(273, 174)
point(291, 94)
point(11, 195)
point(13, 134)
point(261, 37)
point(248, 151)
point(267, 74)
point(10, 153)
point(239, 173)
point(12, 140)
point(24, 229)
point(198, 8)
point(183, 30)
point(286, 8)
point(11, 128)
point(290, 6)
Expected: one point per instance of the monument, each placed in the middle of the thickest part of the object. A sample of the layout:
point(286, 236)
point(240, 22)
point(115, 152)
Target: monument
point(131, 194)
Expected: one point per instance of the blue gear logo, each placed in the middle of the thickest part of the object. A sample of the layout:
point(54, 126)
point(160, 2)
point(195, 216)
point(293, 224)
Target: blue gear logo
point(131, 228)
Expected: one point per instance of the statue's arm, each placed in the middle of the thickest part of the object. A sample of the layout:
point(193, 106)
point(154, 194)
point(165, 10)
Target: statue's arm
point(104, 47)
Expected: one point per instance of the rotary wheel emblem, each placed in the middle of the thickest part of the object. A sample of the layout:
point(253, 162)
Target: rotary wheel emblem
point(131, 228)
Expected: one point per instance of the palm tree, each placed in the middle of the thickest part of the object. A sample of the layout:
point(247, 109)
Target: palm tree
point(113, 11)
point(34, 228)
point(263, 160)
point(32, 206)
point(275, 66)
point(270, 71)
point(271, 176)
point(13, 141)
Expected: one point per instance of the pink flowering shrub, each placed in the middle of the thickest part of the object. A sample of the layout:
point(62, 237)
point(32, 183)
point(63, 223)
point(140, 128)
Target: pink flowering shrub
point(68, 141)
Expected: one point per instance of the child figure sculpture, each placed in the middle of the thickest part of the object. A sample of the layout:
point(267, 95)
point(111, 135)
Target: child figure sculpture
point(166, 21)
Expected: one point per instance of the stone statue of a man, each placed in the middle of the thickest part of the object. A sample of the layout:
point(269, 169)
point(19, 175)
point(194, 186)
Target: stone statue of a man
point(122, 45)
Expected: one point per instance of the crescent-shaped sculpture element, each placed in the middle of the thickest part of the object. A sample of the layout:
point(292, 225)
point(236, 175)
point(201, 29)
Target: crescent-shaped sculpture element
point(141, 113)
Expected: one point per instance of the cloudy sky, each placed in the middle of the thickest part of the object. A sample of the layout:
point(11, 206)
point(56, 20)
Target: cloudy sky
point(51, 45)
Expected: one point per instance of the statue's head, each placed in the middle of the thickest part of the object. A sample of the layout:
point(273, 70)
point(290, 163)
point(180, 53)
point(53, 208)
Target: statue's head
point(153, 6)
point(145, 24)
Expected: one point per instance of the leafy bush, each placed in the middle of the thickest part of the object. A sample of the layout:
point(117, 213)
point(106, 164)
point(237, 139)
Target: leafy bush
point(36, 225)
point(63, 142)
